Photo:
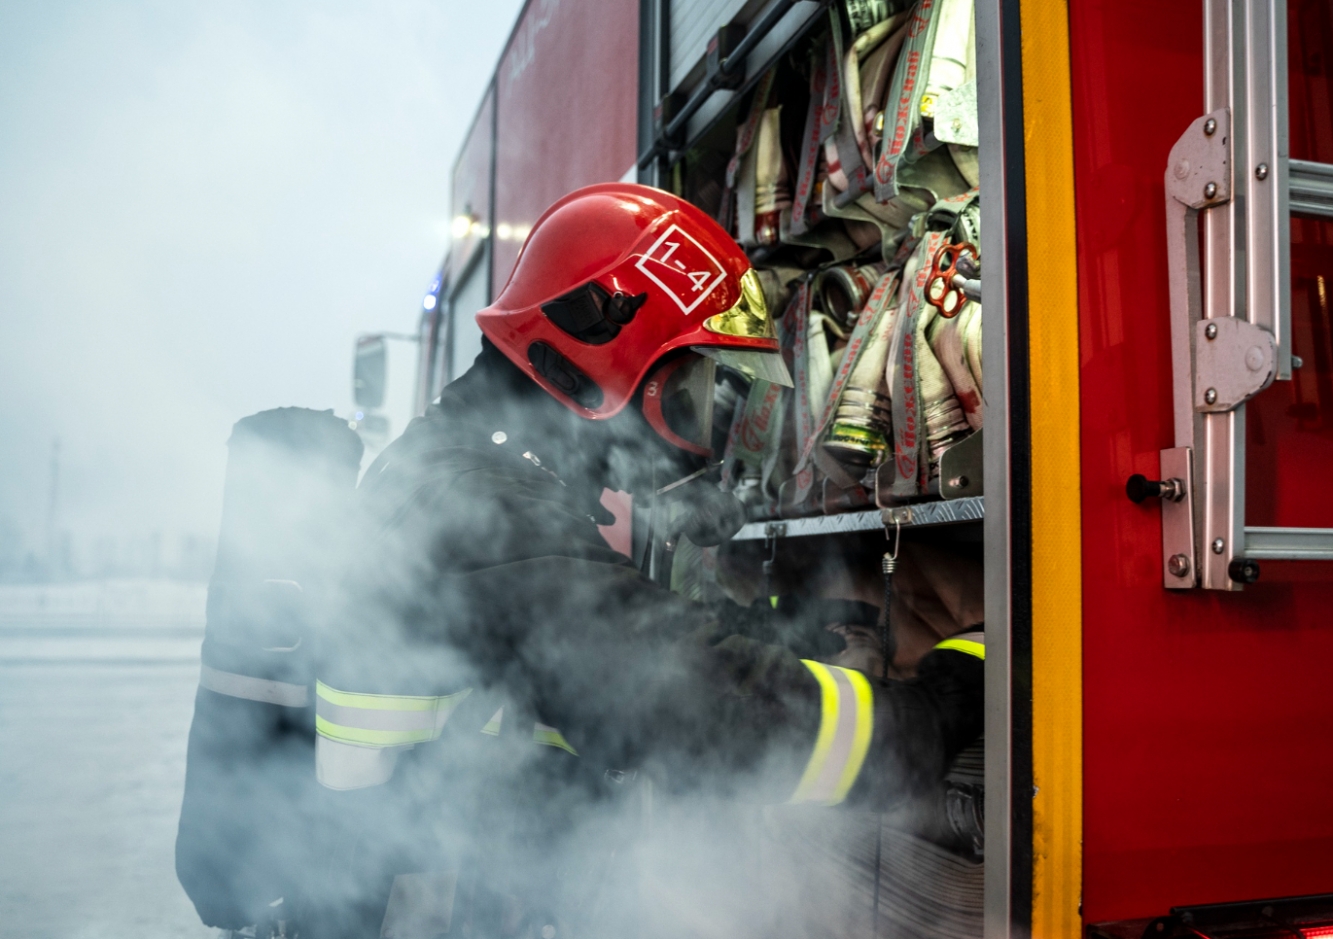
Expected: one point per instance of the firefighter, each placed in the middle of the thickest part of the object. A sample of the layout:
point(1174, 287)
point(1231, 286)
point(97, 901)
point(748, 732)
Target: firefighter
point(494, 657)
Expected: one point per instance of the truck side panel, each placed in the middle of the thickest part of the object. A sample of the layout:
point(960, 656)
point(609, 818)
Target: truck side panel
point(470, 199)
point(1207, 715)
point(567, 99)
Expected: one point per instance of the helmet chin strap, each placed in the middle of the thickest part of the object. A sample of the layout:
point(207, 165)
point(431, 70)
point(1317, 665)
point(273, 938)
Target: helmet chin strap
point(622, 452)
point(682, 481)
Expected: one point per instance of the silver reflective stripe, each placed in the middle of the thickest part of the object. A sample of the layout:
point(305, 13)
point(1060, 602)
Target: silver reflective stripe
point(282, 693)
point(428, 722)
point(345, 766)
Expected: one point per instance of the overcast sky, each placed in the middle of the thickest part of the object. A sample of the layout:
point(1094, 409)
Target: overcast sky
point(201, 205)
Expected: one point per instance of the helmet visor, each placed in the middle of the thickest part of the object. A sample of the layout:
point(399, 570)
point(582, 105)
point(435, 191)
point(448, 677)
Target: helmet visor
point(749, 318)
point(678, 403)
point(753, 364)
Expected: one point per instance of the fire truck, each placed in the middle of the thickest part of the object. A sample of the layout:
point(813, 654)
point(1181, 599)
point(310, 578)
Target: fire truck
point(1140, 197)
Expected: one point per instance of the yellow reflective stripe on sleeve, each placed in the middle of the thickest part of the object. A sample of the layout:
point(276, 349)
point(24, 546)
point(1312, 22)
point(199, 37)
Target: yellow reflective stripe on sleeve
point(828, 723)
point(492, 726)
point(382, 720)
point(865, 725)
point(550, 737)
point(362, 736)
point(380, 702)
point(964, 645)
point(846, 724)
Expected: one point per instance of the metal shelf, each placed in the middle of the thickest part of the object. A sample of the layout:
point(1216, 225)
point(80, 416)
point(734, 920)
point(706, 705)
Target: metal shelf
point(950, 512)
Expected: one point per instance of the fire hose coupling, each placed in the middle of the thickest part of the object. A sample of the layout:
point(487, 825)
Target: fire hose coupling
point(1139, 487)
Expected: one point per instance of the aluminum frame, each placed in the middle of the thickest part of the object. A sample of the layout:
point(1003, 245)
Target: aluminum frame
point(1233, 288)
point(1292, 544)
point(998, 86)
point(1311, 188)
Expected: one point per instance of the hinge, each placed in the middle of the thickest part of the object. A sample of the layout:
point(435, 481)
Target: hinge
point(1180, 569)
point(1234, 360)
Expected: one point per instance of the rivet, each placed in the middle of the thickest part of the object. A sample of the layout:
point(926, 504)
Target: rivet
point(1297, 361)
point(1210, 190)
point(1210, 396)
point(959, 482)
point(1210, 127)
point(1254, 358)
point(1178, 565)
point(1219, 545)
point(499, 437)
point(1210, 330)
point(1261, 171)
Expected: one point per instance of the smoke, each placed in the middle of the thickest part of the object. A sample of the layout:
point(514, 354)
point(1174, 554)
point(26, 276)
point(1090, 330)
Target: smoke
point(203, 206)
point(611, 764)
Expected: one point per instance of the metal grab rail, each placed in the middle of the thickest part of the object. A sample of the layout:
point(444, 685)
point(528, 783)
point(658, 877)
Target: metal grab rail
point(716, 81)
point(1230, 284)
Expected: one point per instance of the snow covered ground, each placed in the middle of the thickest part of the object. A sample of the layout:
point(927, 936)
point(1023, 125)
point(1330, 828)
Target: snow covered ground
point(97, 686)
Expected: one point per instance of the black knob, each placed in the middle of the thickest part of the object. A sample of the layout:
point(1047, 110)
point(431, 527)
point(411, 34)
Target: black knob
point(1243, 570)
point(1139, 487)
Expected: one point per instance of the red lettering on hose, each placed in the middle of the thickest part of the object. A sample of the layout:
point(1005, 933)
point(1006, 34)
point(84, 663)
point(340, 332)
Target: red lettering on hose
point(751, 433)
point(906, 457)
point(884, 169)
point(921, 19)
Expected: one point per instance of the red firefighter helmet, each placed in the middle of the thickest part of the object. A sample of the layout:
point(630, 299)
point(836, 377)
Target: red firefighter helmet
point(612, 280)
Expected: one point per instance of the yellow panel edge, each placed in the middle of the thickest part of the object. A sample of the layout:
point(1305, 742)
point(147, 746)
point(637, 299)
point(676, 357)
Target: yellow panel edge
point(1057, 641)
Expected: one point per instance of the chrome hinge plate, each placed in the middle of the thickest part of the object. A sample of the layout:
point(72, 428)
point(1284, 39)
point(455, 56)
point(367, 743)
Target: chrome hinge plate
point(1234, 360)
point(1180, 569)
point(1200, 160)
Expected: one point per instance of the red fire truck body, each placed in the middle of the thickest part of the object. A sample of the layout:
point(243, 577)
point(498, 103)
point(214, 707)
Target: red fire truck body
point(1150, 743)
point(1206, 724)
